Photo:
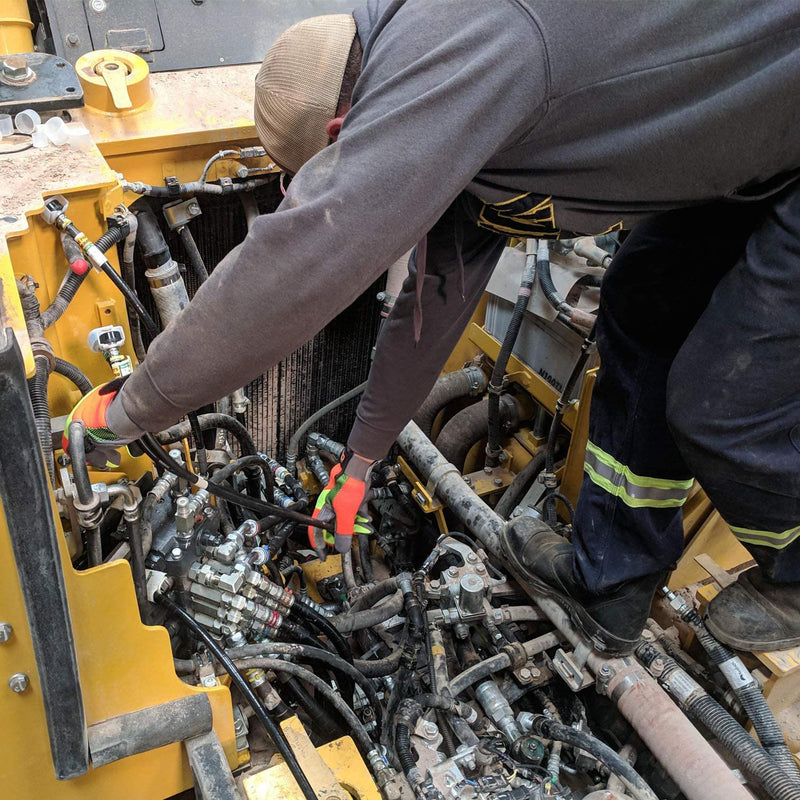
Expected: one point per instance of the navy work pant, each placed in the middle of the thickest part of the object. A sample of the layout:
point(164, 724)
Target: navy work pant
point(699, 335)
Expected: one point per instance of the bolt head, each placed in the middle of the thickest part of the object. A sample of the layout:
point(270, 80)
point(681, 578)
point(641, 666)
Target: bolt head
point(480, 569)
point(605, 670)
point(176, 553)
point(73, 40)
point(18, 682)
point(15, 68)
point(525, 674)
point(98, 6)
point(472, 558)
point(5, 631)
point(193, 209)
point(430, 730)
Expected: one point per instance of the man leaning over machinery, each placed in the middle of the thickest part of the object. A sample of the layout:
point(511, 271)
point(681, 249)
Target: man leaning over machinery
point(455, 124)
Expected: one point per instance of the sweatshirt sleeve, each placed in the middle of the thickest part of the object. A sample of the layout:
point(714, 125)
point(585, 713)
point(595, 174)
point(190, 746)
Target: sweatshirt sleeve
point(405, 370)
point(445, 86)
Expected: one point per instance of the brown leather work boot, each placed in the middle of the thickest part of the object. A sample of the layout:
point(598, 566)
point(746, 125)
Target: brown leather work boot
point(756, 614)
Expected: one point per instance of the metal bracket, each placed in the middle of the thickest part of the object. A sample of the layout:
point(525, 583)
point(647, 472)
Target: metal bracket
point(571, 669)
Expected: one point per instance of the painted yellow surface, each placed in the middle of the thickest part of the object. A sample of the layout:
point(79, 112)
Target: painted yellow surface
point(336, 771)
point(124, 665)
point(16, 28)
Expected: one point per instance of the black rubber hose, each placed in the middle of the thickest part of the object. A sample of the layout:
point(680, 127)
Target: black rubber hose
point(551, 498)
point(269, 511)
point(324, 723)
point(364, 558)
point(37, 387)
point(273, 731)
point(520, 485)
point(111, 237)
point(402, 744)
point(493, 448)
point(193, 254)
point(750, 756)
point(246, 462)
point(294, 443)
point(468, 382)
point(471, 425)
point(129, 295)
point(303, 653)
point(753, 702)
point(380, 667)
point(77, 455)
point(150, 240)
point(63, 298)
point(369, 617)
point(72, 374)
point(246, 444)
point(542, 726)
point(317, 622)
point(375, 594)
point(207, 422)
point(199, 443)
point(561, 405)
point(362, 738)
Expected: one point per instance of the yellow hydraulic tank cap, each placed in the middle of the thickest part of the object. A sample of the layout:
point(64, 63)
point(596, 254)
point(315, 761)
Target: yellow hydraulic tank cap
point(114, 81)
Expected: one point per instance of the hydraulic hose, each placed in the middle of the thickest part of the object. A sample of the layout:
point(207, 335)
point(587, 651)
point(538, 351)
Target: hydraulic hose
point(89, 502)
point(362, 738)
point(468, 382)
point(153, 450)
point(193, 254)
point(581, 319)
point(304, 653)
point(493, 448)
point(744, 686)
point(471, 425)
point(183, 430)
point(72, 374)
point(634, 783)
point(77, 455)
point(294, 442)
point(273, 730)
point(380, 667)
point(37, 386)
point(369, 617)
point(194, 187)
point(73, 281)
point(111, 237)
point(129, 275)
point(324, 723)
point(519, 486)
point(561, 406)
point(697, 703)
point(317, 622)
point(246, 462)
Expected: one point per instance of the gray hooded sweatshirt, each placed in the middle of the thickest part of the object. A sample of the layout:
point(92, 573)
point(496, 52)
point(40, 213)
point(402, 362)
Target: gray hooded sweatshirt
point(473, 120)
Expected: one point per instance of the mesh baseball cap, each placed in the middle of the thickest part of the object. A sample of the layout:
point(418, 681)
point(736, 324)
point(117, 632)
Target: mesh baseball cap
point(298, 86)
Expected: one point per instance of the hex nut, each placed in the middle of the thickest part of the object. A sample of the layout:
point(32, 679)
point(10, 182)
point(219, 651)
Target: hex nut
point(15, 68)
point(18, 682)
point(5, 631)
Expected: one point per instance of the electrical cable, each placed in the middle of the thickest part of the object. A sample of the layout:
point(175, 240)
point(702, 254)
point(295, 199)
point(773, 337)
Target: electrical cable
point(273, 731)
point(152, 448)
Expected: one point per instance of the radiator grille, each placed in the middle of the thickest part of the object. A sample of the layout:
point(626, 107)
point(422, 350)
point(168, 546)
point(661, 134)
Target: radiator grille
point(331, 363)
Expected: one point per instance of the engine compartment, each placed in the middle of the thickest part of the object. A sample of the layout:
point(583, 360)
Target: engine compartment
point(416, 666)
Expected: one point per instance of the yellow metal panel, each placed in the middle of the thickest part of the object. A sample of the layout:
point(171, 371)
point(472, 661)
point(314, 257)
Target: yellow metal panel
point(15, 27)
point(335, 771)
point(519, 372)
point(715, 539)
point(124, 666)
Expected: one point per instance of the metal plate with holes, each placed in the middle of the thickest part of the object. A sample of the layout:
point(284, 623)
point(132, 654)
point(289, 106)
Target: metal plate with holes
point(50, 83)
point(179, 34)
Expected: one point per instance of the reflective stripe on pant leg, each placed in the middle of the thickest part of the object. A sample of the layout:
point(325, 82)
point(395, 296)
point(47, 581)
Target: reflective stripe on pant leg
point(636, 491)
point(774, 539)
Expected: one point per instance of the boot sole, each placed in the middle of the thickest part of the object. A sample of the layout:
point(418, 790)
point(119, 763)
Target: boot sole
point(750, 645)
point(602, 639)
